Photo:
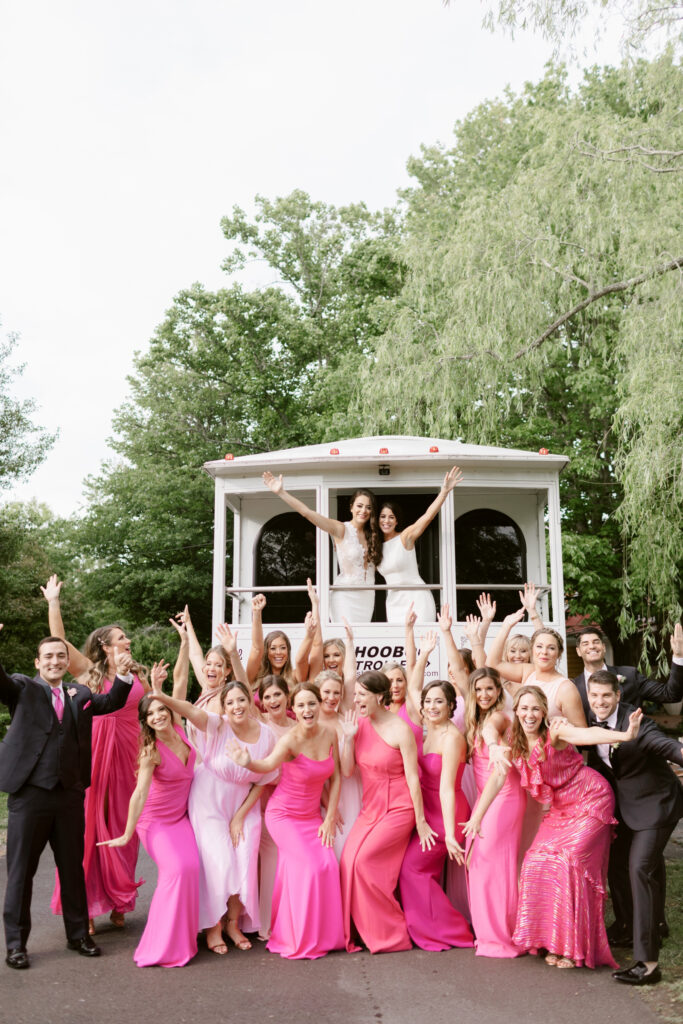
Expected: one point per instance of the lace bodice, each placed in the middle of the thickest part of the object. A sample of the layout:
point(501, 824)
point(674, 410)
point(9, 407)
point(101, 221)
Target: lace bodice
point(351, 555)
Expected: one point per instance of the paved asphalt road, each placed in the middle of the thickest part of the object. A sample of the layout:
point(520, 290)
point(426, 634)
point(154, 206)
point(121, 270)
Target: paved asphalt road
point(257, 987)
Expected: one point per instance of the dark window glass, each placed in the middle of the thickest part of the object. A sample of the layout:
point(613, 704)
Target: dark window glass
point(285, 556)
point(489, 549)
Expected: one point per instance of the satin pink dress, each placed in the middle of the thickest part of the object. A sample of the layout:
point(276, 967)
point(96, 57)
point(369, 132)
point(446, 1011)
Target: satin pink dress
point(563, 883)
point(306, 912)
point(110, 872)
point(433, 922)
point(170, 935)
point(374, 851)
point(493, 879)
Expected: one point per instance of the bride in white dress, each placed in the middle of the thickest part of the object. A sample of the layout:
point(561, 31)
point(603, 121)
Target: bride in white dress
point(359, 549)
point(399, 561)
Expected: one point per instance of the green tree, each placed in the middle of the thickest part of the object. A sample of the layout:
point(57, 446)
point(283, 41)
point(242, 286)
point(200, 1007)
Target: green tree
point(23, 446)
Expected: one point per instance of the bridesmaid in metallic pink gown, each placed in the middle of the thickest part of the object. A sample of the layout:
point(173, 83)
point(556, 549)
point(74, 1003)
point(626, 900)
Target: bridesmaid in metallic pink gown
point(306, 913)
point(158, 809)
point(563, 883)
point(386, 753)
point(433, 922)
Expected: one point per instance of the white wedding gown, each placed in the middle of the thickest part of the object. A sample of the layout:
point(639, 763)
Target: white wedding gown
point(399, 568)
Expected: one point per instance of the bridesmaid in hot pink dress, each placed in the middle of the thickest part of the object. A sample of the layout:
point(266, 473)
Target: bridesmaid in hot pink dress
point(158, 808)
point(493, 881)
point(563, 883)
point(306, 916)
point(433, 922)
point(386, 753)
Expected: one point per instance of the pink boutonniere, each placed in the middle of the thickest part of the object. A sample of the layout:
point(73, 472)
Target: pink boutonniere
point(72, 691)
point(621, 680)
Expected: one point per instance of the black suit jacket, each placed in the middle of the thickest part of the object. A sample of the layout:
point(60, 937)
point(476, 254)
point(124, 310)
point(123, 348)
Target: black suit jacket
point(636, 688)
point(648, 793)
point(33, 718)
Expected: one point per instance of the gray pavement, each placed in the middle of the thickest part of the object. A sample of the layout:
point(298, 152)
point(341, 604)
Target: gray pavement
point(257, 987)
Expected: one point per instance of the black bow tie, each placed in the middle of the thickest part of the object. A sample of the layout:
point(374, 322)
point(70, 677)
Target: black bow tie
point(601, 725)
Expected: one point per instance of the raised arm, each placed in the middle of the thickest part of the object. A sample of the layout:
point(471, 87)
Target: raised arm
point(301, 663)
point(411, 533)
point(195, 648)
point(316, 660)
point(181, 669)
point(456, 663)
point(78, 663)
point(487, 610)
point(350, 672)
point(258, 603)
point(529, 597)
point(228, 641)
point(282, 751)
point(411, 649)
point(672, 690)
point(562, 733)
point(137, 802)
point(349, 724)
point(417, 676)
point(331, 526)
point(179, 708)
point(473, 632)
point(508, 670)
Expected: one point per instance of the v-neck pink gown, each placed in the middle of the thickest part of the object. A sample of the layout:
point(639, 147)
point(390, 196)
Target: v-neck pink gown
point(433, 922)
point(307, 914)
point(374, 851)
point(170, 935)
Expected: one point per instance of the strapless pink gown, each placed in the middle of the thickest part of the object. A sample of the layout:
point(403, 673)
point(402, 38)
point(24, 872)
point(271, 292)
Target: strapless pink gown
point(562, 888)
point(492, 876)
point(110, 871)
point(307, 913)
point(373, 854)
point(433, 922)
point(170, 935)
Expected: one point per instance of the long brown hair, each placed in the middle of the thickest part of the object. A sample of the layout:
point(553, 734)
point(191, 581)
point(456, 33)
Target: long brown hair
point(373, 534)
point(95, 652)
point(474, 716)
point(519, 744)
point(148, 738)
point(266, 669)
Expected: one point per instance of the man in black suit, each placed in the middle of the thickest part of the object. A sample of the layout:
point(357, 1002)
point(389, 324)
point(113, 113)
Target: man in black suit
point(649, 803)
point(45, 767)
point(635, 687)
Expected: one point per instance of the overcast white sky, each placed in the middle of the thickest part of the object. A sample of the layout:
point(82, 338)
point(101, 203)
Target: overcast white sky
point(128, 129)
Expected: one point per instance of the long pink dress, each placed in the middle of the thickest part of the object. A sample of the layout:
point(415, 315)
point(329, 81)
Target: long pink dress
point(563, 882)
point(493, 877)
point(170, 935)
point(307, 913)
point(456, 874)
point(374, 851)
point(433, 922)
point(218, 789)
point(110, 871)
point(350, 803)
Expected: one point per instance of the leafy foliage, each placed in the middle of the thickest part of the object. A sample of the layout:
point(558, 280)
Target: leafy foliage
point(22, 445)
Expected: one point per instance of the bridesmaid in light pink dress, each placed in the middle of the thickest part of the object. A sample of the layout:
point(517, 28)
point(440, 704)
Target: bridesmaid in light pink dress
point(158, 809)
point(563, 882)
point(386, 753)
point(493, 856)
point(433, 923)
point(307, 919)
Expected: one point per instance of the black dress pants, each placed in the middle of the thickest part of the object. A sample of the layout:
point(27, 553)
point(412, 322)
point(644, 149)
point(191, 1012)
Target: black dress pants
point(37, 817)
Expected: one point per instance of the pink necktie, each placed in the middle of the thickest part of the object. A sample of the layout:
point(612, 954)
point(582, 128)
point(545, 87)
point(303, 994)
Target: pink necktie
point(57, 702)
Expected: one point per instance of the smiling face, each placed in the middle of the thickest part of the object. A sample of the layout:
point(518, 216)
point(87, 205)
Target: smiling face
point(530, 713)
point(215, 670)
point(236, 706)
point(591, 649)
point(486, 693)
point(274, 701)
point(435, 707)
point(52, 662)
point(398, 685)
point(331, 691)
point(365, 702)
point(518, 651)
point(306, 708)
point(387, 522)
point(158, 716)
point(602, 700)
point(116, 641)
point(278, 654)
point(545, 651)
point(332, 657)
point(361, 510)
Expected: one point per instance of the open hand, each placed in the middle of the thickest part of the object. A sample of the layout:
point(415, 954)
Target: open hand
point(240, 755)
point(426, 835)
point(274, 483)
point(228, 639)
point(455, 850)
point(52, 588)
point(444, 618)
point(349, 724)
point(411, 616)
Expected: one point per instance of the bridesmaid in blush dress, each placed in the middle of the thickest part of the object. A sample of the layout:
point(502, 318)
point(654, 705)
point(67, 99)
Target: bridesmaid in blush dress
point(350, 794)
point(158, 809)
point(385, 750)
point(433, 923)
point(563, 883)
point(492, 877)
point(307, 918)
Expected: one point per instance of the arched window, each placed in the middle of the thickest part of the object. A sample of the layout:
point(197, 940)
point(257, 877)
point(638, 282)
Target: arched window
point(284, 557)
point(489, 550)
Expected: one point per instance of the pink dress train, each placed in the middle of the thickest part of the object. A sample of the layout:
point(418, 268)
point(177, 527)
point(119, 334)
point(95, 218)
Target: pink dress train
point(493, 876)
point(110, 871)
point(307, 913)
point(374, 851)
point(433, 922)
point(563, 882)
point(170, 935)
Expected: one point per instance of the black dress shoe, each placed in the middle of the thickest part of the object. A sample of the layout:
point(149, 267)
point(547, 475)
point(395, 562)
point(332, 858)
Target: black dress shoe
point(86, 946)
point(619, 935)
point(637, 974)
point(18, 959)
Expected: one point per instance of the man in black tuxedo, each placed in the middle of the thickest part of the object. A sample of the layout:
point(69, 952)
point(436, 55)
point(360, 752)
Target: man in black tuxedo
point(635, 687)
point(45, 767)
point(649, 803)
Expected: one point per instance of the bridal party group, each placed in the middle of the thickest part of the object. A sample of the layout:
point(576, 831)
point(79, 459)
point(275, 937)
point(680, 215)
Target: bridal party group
point(305, 806)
